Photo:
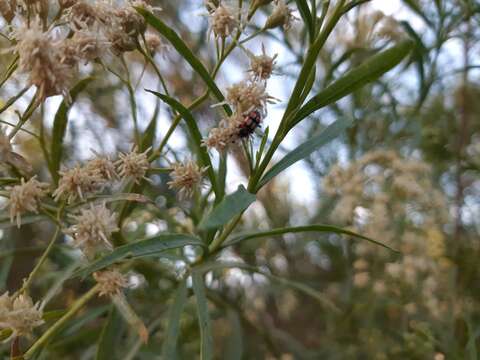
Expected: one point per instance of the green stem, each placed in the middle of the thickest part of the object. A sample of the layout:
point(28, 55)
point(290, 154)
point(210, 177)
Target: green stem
point(77, 305)
point(36, 269)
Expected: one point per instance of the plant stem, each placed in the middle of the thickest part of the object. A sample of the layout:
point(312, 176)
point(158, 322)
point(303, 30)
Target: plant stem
point(77, 305)
point(37, 267)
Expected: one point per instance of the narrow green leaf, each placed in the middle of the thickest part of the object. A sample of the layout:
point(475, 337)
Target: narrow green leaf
point(149, 134)
point(202, 152)
point(60, 127)
point(368, 72)
point(299, 229)
point(230, 206)
point(173, 326)
point(149, 247)
point(306, 16)
point(186, 53)
point(304, 150)
point(110, 335)
point(206, 352)
point(234, 346)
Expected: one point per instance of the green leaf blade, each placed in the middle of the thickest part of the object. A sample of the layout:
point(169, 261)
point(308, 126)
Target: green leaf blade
point(196, 136)
point(110, 335)
point(149, 247)
point(206, 352)
point(232, 205)
point(186, 53)
point(355, 79)
point(307, 148)
point(60, 127)
point(307, 228)
point(173, 327)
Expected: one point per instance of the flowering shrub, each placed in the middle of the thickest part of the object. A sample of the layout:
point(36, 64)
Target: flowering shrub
point(146, 245)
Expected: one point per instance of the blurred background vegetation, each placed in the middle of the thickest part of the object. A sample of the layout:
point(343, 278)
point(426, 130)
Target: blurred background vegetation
point(406, 174)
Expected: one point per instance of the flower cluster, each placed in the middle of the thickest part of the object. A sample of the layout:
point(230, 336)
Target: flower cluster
point(246, 97)
point(19, 314)
point(224, 19)
point(92, 228)
point(79, 181)
point(186, 178)
point(111, 282)
point(25, 197)
point(374, 195)
point(96, 28)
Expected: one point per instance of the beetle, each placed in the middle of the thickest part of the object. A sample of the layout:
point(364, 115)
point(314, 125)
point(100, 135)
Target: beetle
point(250, 122)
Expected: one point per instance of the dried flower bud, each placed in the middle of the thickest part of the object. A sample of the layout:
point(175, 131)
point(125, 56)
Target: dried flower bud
point(25, 197)
point(133, 165)
point(92, 228)
point(19, 315)
point(7, 9)
point(40, 57)
point(186, 178)
point(262, 66)
point(111, 282)
point(89, 45)
point(223, 20)
point(104, 166)
point(78, 182)
point(82, 15)
point(154, 43)
point(282, 16)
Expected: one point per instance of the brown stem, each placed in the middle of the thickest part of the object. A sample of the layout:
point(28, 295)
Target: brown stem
point(15, 351)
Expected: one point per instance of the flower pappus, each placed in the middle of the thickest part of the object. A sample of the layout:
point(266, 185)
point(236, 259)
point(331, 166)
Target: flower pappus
point(248, 95)
point(78, 182)
point(133, 165)
point(40, 57)
point(224, 19)
point(111, 282)
point(19, 315)
point(282, 16)
point(261, 66)
point(92, 228)
point(186, 177)
point(25, 197)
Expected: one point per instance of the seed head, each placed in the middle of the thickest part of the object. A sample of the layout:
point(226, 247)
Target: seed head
point(92, 228)
point(104, 166)
point(25, 197)
point(246, 96)
point(133, 165)
point(223, 20)
point(186, 178)
point(40, 57)
point(78, 182)
point(155, 44)
point(111, 282)
point(282, 16)
point(262, 66)
point(19, 315)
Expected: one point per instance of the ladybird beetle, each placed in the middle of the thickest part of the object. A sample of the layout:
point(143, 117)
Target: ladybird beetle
point(250, 122)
